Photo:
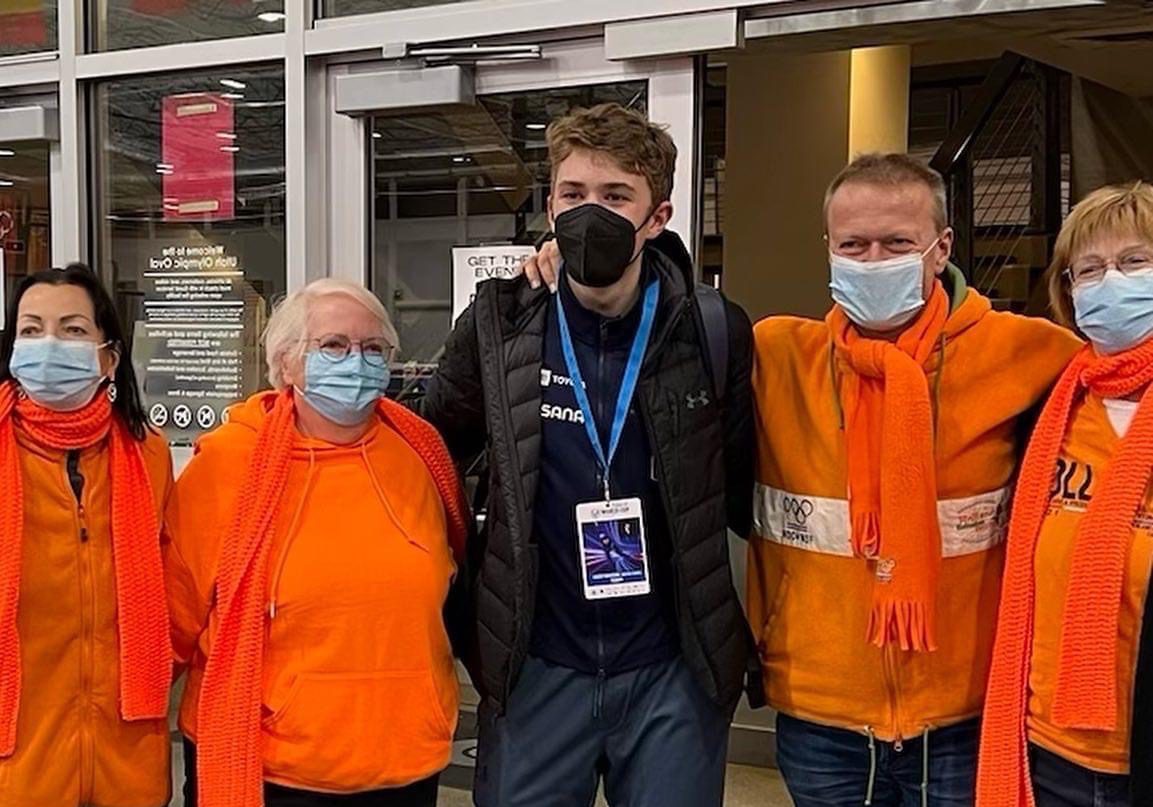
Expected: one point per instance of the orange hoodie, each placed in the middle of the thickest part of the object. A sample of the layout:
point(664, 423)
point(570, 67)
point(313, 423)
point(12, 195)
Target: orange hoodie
point(809, 596)
point(72, 746)
point(360, 688)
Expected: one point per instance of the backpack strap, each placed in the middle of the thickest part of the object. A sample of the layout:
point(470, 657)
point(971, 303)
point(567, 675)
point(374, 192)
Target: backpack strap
point(715, 322)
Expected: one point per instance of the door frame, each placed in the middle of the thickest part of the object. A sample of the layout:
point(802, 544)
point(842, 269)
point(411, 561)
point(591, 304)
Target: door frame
point(33, 117)
point(345, 205)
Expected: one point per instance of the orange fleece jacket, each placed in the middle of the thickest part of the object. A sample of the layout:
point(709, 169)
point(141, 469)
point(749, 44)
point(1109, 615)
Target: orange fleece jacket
point(72, 746)
point(809, 596)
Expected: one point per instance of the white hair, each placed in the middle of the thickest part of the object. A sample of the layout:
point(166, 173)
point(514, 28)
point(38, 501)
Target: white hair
point(288, 326)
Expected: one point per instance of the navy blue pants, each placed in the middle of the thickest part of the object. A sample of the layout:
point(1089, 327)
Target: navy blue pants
point(650, 734)
point(1057, 782)
point(829, 767)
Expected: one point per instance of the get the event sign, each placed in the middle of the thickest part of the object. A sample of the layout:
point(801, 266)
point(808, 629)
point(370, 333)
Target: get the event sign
point(473, 265)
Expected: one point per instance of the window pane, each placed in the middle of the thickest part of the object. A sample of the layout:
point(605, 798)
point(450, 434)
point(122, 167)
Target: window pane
point(462, 177)
point(141, 23)
point(190, 228)
point(345, 8)
point(27, 26)
point(25, 214)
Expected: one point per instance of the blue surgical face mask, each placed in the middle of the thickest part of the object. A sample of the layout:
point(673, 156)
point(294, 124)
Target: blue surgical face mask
point(879, 295)
point(343, 391)
point(58, 374)
point(1116, 312)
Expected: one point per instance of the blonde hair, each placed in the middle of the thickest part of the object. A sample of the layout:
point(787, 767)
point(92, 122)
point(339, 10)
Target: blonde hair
point(892, 170)
point(288, 325)
point(1113, 210)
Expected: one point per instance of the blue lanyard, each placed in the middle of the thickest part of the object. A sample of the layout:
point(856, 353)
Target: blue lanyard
point(628, 382)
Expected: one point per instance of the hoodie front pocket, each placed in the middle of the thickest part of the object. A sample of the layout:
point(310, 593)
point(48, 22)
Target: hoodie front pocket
point(358, 731)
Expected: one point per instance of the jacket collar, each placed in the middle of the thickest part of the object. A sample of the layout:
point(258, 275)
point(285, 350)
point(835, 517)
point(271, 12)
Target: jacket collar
point(955, 286)
point(665, 256)
point(590, 327)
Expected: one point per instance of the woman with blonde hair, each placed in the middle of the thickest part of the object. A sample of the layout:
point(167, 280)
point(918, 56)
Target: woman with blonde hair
point(1058, 729)
point(311, 548)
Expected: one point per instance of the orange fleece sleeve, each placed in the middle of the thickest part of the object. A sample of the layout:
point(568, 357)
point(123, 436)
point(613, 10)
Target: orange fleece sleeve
point(190, 541)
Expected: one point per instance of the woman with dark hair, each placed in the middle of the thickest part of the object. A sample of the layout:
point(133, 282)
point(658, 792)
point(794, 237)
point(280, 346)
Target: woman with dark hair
point(85, 656)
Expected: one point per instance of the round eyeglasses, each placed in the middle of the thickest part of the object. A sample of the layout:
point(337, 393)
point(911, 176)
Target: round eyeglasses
point(1092, 270)
point(336, 347)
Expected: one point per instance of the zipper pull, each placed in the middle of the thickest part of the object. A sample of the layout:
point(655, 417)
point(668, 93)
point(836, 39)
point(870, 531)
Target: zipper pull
point(898, 746)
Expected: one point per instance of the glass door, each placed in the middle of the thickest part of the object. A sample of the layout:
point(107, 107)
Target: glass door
point(460, 189)
point(25, 214)
point(467, 178)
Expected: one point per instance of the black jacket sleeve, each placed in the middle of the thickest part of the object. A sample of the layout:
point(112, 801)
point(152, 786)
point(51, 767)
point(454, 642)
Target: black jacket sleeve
point(454, 404)
point(454, 399)
point(740, 435)
point(740, 428)
point(740, 460)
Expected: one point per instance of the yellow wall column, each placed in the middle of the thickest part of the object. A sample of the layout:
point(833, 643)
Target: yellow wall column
point(787, 136)
point(879, 99)
point(793, 121)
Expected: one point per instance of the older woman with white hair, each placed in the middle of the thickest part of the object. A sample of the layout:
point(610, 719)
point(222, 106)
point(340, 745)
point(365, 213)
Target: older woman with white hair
point(309, 551)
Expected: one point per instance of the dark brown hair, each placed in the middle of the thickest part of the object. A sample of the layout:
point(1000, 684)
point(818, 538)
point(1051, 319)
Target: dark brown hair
point(128, 405)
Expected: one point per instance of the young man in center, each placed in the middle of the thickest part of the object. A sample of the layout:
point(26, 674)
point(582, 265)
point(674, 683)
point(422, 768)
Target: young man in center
point(602, 415)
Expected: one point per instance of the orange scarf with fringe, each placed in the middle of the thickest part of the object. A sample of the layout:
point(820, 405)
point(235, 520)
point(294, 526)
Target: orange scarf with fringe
point(229, 754)
point(892, 471)
point(1086, 691)
point(141, 607)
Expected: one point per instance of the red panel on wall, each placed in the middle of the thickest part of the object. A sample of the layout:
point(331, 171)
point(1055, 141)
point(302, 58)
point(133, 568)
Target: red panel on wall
point(198, 157)
point(22, 23)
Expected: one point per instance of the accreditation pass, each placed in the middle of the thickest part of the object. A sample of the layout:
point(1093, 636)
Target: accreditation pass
point(613, 553)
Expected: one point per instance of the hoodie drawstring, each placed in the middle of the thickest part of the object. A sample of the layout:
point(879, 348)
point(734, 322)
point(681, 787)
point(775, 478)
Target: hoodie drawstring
point(925, 768)
point(871, 786)
point(282, 555)
point(384, 499)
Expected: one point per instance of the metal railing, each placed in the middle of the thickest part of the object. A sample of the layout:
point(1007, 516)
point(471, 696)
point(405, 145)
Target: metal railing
point(1004, 167)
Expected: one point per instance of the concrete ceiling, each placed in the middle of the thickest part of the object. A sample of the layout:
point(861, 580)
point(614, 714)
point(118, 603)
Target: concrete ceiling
point(1110, 43)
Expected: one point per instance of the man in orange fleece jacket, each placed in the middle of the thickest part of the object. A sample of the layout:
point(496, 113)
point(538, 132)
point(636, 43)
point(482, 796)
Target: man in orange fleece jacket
point(888, 438)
